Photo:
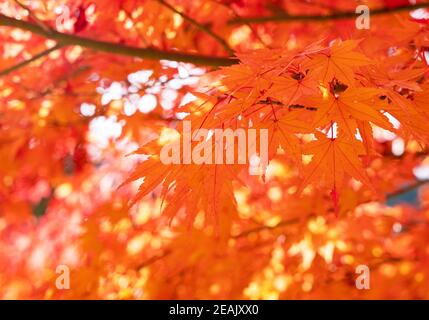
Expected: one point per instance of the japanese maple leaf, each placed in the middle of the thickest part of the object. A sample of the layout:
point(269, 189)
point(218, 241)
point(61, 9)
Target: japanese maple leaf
point(289, 89)
point(421, 100)
point(243, 84)
point(412, 113)
point(332, 159)
point(241, 76)
point(200, 187)
point(193, 187)
point(400, 102)
point(347, 107)
point(387, 76)
point(340, 61)
point(282, 130)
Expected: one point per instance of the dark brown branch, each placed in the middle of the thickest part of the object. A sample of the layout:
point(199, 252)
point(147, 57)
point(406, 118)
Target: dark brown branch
point(115, 48)
point(335, 16)
point(200, 26)
point(156, 54)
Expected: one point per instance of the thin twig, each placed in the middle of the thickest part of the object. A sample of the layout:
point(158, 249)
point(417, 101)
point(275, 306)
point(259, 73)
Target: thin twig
point(252, 29)
point(28, 61)
point(200, 26)
point(265, 227)
point(297, 220)
point(153, 259)
point(406, 189)
point(33, 16)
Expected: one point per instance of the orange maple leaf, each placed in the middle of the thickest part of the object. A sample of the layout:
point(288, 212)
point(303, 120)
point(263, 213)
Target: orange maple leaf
point(349, 106)
point(332, 159)
point(340, 61)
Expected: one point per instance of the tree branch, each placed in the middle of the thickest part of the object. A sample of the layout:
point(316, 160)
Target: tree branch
point(153, 259)
point(157, 54)
point(115, 48)
point(293, 221)
point(266, 227)
point(200, 26)
point(335, 16)
point(406, 189)
point(26, 62)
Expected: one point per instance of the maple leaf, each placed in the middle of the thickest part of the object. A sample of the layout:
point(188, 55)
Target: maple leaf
point(340, 61)
point(387, 75)
point(420, 100)
point(121, 76)
point(290, 89)
point(195, 187)
point(282, 131)
point(347, 107)
point(332, 159)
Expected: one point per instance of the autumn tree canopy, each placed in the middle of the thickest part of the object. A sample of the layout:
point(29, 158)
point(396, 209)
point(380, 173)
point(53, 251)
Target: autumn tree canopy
point(92, 92)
